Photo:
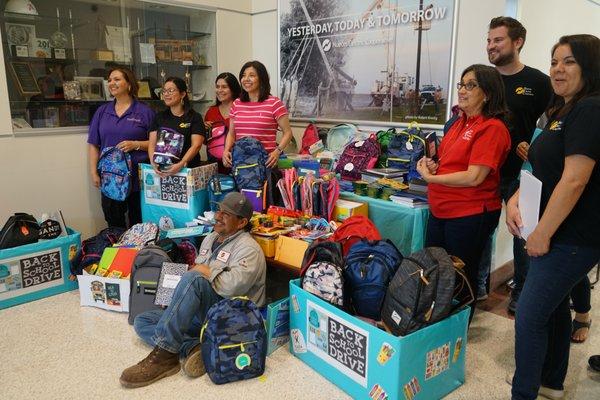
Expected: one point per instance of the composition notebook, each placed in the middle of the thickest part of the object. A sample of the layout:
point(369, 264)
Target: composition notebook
point(170, 275)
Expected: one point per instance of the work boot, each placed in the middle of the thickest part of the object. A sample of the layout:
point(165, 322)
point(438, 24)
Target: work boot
point(157, 365)
point(193, 365)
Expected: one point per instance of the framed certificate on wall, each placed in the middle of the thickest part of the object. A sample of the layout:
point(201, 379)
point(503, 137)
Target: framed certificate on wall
point(26, 81)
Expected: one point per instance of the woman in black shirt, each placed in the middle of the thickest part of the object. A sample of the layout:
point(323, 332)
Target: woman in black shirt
point(178, 119)
point(565, 244)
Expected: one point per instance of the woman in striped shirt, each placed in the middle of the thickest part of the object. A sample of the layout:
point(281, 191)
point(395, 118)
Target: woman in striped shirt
point(258, 114)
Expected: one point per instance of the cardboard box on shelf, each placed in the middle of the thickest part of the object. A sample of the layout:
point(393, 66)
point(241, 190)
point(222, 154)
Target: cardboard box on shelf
point(345, 208)
point(267, 244)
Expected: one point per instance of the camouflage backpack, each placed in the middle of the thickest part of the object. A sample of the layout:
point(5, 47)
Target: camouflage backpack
point(249, 164)
point(234, 341)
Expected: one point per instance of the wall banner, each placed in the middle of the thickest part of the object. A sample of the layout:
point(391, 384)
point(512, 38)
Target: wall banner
point(382, 61)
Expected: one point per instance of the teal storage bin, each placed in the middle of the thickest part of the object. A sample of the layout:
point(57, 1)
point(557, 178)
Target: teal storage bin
point(369, 363)
point(37, 270)
point(179, 198)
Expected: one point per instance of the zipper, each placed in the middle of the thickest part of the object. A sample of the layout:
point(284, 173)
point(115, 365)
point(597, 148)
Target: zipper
point(245, 166)
point(145, 283)
point(371, 257)
point(233, 346)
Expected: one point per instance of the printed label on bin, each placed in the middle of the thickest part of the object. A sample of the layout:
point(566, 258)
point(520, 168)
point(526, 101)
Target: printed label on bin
point(298, 343)
point(437, 361)
point(31, 272)
point(171, 191)
point(338, 342)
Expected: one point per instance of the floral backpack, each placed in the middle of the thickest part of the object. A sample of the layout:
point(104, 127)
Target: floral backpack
point(114, 167)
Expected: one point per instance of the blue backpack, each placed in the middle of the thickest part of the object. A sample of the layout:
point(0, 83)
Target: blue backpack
point(249, 168)
point(218, 186)
point(92, 248)
point(370, 265)
point(234, 341)
point(405, 150)
point(114, 168)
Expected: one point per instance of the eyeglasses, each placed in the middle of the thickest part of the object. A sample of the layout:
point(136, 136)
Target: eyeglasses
point(469, 85)
point(169, 91)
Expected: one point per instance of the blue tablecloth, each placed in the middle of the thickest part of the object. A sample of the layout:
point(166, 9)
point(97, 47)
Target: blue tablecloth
point(403, 225)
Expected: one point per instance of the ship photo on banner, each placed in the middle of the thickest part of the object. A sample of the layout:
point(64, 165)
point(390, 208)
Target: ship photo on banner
point(376, 61)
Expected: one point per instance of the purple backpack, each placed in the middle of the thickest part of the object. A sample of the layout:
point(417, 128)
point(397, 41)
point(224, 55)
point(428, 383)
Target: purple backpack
point(168, 147)
point(357, 157)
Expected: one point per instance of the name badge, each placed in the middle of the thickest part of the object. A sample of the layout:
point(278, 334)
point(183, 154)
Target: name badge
point(223, 256)
point(203, 252)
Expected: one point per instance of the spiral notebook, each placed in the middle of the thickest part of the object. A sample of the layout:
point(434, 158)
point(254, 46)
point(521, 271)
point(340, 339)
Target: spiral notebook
point(170, 275)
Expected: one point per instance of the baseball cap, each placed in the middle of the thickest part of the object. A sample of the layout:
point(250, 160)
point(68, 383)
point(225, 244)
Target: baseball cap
point(237, 204)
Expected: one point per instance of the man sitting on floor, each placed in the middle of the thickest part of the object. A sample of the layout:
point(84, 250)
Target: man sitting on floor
point(230, 263)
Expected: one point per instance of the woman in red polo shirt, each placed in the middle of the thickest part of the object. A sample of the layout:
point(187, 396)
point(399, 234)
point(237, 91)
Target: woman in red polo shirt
point(463, 185)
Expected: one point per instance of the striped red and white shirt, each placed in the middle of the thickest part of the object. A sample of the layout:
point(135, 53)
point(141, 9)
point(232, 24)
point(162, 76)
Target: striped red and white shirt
point(258, 120)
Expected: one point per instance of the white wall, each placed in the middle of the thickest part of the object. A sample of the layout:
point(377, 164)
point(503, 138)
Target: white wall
point(547, 20)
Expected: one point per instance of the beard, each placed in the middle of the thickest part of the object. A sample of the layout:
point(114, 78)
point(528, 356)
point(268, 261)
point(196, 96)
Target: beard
point(503, 59)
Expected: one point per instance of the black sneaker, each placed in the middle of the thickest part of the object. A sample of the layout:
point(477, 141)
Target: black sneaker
point(594, 362)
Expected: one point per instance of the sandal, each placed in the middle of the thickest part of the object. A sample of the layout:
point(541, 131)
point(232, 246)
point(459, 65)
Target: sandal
point(577, 325)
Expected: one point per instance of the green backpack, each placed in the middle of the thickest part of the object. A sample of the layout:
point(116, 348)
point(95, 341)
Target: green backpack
point(384, 137)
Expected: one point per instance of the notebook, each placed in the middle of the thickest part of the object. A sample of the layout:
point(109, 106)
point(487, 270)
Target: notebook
point(170, 275)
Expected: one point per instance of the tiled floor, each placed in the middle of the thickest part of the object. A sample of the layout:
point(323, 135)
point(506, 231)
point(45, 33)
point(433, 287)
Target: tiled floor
point(55, 349)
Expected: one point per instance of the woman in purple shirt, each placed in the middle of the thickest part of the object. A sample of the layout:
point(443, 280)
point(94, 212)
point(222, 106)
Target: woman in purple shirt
point(124, 123)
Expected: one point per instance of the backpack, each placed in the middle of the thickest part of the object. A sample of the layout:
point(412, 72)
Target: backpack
point(384, 138)
point(139, 235)
point(93, 247)
point(271, 194)
point(115, 170)
point(310, 137)
point(171, 248)
point(370, 265)
point(143, 280)
point(322, 251)
point(325, 280)
point(249, 164)
point(169, 146)
point(352, 230)
point(422, 291)
point(20, 229)
point(234, 341)
point(218, 186)
point(405, 150)
point(216, 142)
point(339, 137)
point(357, 157)
point(187, 252)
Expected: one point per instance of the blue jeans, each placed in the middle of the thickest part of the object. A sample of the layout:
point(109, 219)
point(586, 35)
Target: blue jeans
point(543, 318)
point(177, 329)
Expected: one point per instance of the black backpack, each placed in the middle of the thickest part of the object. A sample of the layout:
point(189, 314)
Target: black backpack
point(20, 229)
point(322, 251)
point(422, 291)
point(143, 281)
point(93, 247)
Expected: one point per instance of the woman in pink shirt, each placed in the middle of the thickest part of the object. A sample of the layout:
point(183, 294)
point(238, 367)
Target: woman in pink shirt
point(257, 114)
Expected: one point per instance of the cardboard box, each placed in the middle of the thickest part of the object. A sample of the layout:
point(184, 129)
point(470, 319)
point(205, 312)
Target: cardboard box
point(278, 324)
point(369, 363)
point(345, 208)
point(267, 244)
point(33, 271)
point(102, 55)
point(290, 251)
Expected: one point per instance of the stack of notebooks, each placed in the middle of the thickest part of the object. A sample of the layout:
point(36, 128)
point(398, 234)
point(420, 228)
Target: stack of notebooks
point(371, 175)
point(410, 198)
point(417, 186)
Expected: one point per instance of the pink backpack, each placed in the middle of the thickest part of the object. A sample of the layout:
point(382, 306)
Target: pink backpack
point(216, 142)
point(357, 157)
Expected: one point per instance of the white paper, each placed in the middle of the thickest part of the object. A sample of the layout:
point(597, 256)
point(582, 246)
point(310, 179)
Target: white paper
point(147, 53)
point(171, 281)
point(530, 197)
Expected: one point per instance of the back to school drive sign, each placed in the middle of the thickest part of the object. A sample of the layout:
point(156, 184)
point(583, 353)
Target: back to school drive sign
point(338, 342)
point(170, 191)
